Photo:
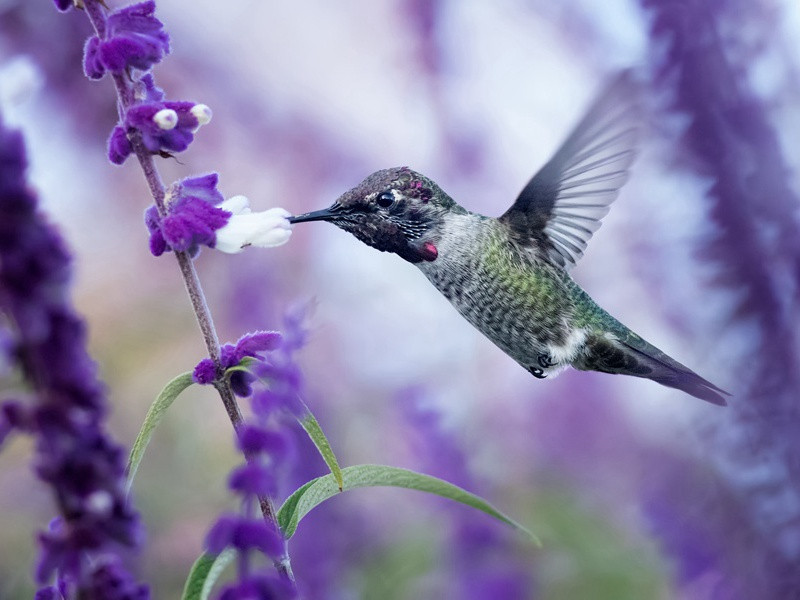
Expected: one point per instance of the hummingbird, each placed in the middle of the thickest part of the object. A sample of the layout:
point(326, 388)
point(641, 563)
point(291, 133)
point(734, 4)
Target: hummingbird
point(509, 276)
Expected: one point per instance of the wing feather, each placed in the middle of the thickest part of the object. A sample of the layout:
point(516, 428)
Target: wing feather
point(563, 204)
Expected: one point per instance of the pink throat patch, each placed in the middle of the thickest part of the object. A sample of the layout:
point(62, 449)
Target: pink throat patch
point(429, 252)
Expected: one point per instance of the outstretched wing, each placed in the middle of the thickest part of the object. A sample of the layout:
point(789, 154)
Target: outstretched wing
point(561, 207)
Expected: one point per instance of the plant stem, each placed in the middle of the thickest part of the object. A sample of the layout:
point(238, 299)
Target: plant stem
point(125, 97)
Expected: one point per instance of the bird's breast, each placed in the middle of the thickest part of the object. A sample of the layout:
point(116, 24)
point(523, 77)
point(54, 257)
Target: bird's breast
point(503, 294)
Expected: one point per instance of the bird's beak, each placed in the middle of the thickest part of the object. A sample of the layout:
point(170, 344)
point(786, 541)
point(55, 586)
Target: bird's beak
point(326, 214)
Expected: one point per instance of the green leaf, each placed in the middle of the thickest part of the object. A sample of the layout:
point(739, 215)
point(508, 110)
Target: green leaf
point(316, 491)
point(205, 572)
point(152, 419)
point(314, 431)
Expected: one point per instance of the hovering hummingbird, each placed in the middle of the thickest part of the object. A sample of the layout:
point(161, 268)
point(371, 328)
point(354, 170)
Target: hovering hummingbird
point(509, 276)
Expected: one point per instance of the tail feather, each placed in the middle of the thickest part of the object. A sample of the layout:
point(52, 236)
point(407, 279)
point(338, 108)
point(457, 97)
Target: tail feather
point(628, 354)
point(673, 374)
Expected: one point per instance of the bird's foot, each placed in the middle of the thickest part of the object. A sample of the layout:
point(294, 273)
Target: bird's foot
point(537, 372)
point(546, 361)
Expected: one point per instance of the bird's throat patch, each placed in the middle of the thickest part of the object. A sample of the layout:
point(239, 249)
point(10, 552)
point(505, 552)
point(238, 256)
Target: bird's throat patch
point(429, 252)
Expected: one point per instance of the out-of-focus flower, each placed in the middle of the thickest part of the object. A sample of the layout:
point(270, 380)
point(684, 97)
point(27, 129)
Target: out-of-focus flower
point(265, 443)
point(244, 534)
point(482, 560)
point(134, 38)
point(64, 5)
point(83, 466)
point(755, 249)
point(258, 587)
point(281, 369)
point(110, 581)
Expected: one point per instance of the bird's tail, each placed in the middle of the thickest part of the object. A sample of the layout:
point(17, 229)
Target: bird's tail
point(628, 354)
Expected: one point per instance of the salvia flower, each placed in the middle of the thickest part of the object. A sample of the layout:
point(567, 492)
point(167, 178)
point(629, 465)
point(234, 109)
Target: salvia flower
point(199, 215)
point(252, 345)
point(265, 444)
point(73, 454)
point(167, 126)
point(134, 38)
point(245, 228)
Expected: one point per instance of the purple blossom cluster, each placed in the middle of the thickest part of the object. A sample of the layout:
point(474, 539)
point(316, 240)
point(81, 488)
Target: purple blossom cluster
point(65, 412)
point(164, 126)
point(134, 38)
point(127, 42)
point(265, 442)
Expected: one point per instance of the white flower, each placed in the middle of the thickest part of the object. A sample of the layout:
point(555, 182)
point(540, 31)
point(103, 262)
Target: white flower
point(246, 228)
point(202, 113)
point(166, 119)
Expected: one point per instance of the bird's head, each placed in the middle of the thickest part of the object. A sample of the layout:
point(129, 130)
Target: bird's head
point(394, 210)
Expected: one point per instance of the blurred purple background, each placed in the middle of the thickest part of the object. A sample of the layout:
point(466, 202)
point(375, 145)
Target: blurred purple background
point(637, 491)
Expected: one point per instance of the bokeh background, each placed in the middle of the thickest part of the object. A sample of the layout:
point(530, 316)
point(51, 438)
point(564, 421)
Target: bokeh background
point(637, 491)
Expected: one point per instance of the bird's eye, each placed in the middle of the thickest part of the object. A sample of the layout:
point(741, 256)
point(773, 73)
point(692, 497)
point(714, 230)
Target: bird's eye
point(385, 200)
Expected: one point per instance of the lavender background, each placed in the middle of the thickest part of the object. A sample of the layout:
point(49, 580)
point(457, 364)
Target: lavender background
point(637, 491)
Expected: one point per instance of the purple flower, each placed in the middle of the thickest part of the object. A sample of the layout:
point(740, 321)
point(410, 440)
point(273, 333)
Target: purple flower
point(482, 561)
point(252, 345)
point(110, 581)
point(73, 454)
point(63, 5)
point(282, 371)
point(134, 38)
point(253, 479)
point(197, 214)
point(119, 146)
point(244, 534)
point(192, 218)
point(167, 126)
point(254, 440)
point(265, 446)
point(259, 587)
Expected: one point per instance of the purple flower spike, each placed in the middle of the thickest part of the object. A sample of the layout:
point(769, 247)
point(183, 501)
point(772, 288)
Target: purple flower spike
point(134, 39)
point(73, 455)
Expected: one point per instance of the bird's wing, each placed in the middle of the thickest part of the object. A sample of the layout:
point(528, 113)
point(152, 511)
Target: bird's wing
point(561, 207)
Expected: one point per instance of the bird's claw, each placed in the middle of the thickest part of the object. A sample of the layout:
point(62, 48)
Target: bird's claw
point(537, 372)
point(545, 361)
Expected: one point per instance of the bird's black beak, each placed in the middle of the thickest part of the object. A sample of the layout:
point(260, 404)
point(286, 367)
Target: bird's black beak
point(326, 214)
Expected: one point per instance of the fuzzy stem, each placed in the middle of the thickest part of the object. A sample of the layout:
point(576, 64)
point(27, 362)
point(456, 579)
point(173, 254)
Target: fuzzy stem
point(125, 97)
